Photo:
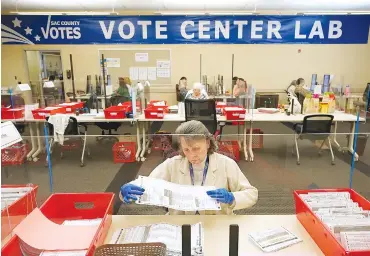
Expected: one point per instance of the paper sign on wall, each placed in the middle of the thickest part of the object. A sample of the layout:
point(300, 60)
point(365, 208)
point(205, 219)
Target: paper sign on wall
point(24, 87)
point(163, 64)
point(163, 72)
point(152, 73)
point(113, 62)
point(134, 73)
point(9, 135)
point(143, 73)
point(141, 57)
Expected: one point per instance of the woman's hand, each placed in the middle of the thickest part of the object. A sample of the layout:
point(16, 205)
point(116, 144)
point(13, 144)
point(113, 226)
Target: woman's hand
point(221, 195)
point(129, 192)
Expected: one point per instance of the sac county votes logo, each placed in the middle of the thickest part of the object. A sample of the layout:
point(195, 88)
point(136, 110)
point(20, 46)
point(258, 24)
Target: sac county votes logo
point(16, 30)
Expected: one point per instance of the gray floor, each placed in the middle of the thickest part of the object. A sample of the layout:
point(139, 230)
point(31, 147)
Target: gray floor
point(274, 171)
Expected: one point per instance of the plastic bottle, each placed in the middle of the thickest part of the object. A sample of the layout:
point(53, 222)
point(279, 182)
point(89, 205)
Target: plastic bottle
point(347, 90)
point(316, 103)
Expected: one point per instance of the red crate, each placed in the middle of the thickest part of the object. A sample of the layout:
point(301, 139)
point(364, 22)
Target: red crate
point(324, 239)
point(14, 155)
point(73, 206)
point(257, 138)
point(12, 215)
point(230, 149)
point(42, 113)
point(128, 106)
point(154, 112)
point(115, 112)
point(72, 108)
point(124, 152)
point(234, 113)
point(12, 113)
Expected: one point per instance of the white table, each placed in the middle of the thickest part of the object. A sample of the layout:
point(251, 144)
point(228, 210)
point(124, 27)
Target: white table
point(256, 116)
point(216, 231)
point(35, 127)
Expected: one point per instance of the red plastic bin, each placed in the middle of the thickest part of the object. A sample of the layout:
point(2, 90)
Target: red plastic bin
point(115, 112)
point(71, 107)
point(42, 113)
point(12, 113)
point(234, 113)
point(124, 152)
point(14, 155)
point(12, 215)
point(128, 106)
point(324, 239)
point(73, 206)
point(230, 149)
point(154, 112)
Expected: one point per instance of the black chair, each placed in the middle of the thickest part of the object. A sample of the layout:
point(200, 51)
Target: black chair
point(314, 127)
point(72, 133)
point(108, 126)
point(205, 112)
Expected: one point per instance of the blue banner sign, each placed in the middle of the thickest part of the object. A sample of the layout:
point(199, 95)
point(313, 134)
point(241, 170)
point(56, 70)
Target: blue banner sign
point(328, 29)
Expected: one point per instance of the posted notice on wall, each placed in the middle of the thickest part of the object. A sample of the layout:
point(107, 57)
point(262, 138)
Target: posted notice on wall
point(143, 73)
point(163, 72)
point(9, 135)
point(24, 87)
point(134, 73)
point(113, 62)
point(152, 73)
point(141, 57)
point(163, 64)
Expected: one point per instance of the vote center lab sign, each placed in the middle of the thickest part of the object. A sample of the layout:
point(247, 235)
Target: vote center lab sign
point(252, 29)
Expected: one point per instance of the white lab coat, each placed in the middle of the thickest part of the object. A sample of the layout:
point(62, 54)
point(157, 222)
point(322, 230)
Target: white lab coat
point(223, 172)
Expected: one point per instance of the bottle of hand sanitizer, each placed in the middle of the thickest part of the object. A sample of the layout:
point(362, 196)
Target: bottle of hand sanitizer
point(347, 91)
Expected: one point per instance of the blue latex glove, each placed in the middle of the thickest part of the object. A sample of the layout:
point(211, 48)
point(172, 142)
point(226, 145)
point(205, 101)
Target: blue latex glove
point(222, 195)
point(129, 192)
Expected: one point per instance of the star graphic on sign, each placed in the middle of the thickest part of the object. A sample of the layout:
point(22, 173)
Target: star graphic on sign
point(16, 22)
point(28, 31)
point(37, 38)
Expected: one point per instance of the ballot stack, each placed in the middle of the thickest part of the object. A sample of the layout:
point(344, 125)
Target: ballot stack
point(346, 218)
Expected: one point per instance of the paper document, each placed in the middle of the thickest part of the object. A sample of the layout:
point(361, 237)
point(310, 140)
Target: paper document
point(143, 73)
point(134, 73)
point(163, 72)
point(273, 240)
point(355, 241)
point(175, 196)
point(65, 253)
point(168, 234)
point(152, 73)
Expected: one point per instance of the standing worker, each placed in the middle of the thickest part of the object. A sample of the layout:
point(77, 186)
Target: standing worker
point(198, 164)
point(124, 88)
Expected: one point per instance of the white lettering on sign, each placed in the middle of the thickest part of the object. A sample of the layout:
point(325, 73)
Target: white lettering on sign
point(273, 27)
point(130, 27)
point(204, 26)
point(107, 32)
point(297, 34)
point(224, 29)
point(144, 24)
point(256, 27)
point(160, 26)
point(240, 24)
point(316, 30)
point(183, 29)
point(335, 30)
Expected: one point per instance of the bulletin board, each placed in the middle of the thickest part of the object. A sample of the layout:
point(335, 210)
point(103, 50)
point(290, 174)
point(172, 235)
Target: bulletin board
point(153, 65)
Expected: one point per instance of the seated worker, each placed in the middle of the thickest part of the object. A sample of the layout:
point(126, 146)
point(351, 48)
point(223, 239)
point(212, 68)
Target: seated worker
point(197, 93)
point(240, 87)
point(198, 164)
point(124, 88)
point(181, 89)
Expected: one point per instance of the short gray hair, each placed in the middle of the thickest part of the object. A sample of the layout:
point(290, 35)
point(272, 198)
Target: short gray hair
point(193, 130)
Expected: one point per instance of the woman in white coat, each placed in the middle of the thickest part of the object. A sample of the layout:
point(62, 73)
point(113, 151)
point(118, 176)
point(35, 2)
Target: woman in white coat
point(198, 164)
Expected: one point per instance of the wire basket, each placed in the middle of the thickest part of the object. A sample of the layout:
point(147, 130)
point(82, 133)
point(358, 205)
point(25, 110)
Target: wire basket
point(124, 152)
point(257, 138)
point(137, 249)
point(14, 155)
point(230, 149)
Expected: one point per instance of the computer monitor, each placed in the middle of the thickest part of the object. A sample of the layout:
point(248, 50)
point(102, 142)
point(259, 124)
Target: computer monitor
point(326, 84)
point(313, 82)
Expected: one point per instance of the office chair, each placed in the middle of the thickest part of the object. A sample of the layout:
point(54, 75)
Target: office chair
point(71, 130)
point(314, 127)
point(205, 112)
point(108, 126)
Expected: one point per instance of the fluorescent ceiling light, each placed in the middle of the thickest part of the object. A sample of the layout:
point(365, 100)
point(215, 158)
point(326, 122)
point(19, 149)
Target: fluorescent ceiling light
point(359, 13)
point(232, 13)
point(205, 13)
point(65, 13)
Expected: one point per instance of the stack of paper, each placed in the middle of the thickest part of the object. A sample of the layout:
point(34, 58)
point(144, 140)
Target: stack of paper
point(348, 222)
point(10, 195)
point(168, 234)
point(175, 196)
point(273, 240)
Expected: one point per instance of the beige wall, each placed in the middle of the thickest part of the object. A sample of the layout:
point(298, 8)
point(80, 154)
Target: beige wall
point(267, 67)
